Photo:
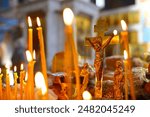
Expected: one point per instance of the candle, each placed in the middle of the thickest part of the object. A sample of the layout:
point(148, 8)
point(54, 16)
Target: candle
point(1, 89)
point(124, 38)
point(7, 83)
point(30, 81)
point(15, 78)
point(126, 74)
point(70, 52)
point(22, 76)
point(41, 86)
point(86, 95)
point(30, 35)
point(42, 50)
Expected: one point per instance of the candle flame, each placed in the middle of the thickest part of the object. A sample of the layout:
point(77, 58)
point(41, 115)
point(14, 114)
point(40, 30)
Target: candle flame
point(7, 68)
point(21, 67)
point(0, 70)
point(40, 82)
point(115, 32)
point(38, 21)
point(123, 25)
point(68, 16)
point(34, 54)
point(28, 55)
point(15, 68)
point(86, 95)
point(29, 21)
point(26, 76)
point(125, 54)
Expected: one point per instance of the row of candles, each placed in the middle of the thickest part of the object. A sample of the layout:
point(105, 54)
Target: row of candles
point(27, 86)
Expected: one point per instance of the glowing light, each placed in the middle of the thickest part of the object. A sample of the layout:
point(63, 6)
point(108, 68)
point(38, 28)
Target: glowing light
point(15, 68)
point(68, 16)
point(21, 67)
point(0, 70)
point(40, 82)
point(34, 54)
point(38, 21)
point(125, 54)
point(86, 95)
point(115, 32)
point(123, 25)
point(28, 55)
point(29, 21)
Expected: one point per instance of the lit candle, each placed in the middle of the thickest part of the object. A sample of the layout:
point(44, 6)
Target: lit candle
point(1, 90)
point(124, 38)
point(7, 83)
point(41, 86)
point(30, 35)
point(42, 50)
point(15, 78)
point(126, 73)
point(86, 95)
point(22, 76)
point(68, 20)
point(30, 81)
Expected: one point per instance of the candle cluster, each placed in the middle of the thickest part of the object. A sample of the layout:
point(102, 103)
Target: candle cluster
point(26, 88)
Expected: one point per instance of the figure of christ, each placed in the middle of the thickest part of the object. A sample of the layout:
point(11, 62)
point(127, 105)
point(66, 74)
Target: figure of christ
point(97, 44)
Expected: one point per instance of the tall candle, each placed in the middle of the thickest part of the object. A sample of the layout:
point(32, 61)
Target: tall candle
point(41, 86)
point(15, 78)
point(22, 76)
point(42, 50)
point(30, 81)
point(30, 35)
point(1, 90)
point(124, 38)
point(126, 73)
point(72, 54)
point(7, 83)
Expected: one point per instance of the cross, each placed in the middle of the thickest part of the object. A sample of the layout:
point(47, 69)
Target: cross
point(99, 46)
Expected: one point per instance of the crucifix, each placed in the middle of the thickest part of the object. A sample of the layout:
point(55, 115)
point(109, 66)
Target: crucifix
point(99, 46)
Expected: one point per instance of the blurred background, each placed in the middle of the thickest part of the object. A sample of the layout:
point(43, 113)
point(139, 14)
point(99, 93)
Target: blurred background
point(13, 27)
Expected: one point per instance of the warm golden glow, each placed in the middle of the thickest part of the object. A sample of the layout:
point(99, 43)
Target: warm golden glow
point(115, 32)
point(40, 82)
point(15, 68)
point(123, 25)
point(68, 16)
point(86, 95)
point(0, 70)
point(29, 21)
point(125, 54)
point(26, 76)
point(34, 55)
point(38, 21)
point(21, 67)
point(28, 55)
point(7, 68)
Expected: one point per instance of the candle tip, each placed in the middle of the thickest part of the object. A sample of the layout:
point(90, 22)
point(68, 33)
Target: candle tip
point(15, 68)
point(34, 54)
point(29, 21)
point(21, 66)
point(28, 55)
point(125, 54)
point(123, 25)
point(38, 21)
point(68, 16)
